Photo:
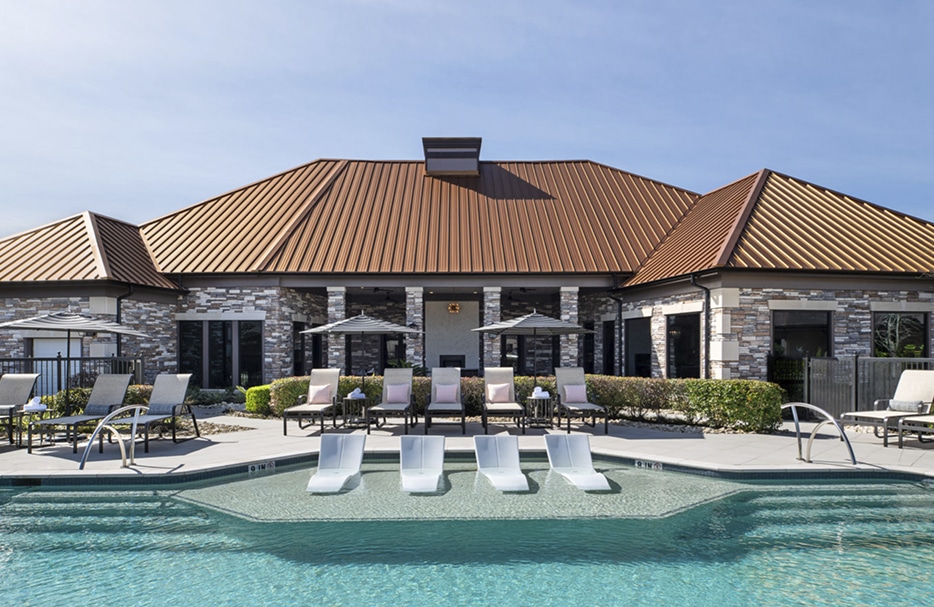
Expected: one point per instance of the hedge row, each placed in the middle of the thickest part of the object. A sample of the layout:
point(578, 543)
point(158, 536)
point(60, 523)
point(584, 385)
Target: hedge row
point(743, 405)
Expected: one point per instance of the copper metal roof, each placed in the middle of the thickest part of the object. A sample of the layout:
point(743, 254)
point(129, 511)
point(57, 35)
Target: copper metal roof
point(774, 222)
point(80, 248)
point(389, 217)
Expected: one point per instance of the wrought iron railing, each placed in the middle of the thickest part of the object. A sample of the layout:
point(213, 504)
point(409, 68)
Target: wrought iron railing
point(55, 373)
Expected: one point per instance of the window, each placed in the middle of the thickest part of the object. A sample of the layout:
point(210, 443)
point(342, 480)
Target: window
point(684, 346)
point(221, 353)
point(899, 334)
point(800, 333)
point(639, 347)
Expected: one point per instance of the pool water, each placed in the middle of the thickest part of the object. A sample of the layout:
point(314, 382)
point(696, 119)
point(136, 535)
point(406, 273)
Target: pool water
point(739, 544)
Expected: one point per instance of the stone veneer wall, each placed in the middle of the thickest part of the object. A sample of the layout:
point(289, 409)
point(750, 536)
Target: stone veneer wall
point(12, 344)
point(600, 309)
point(278, 306)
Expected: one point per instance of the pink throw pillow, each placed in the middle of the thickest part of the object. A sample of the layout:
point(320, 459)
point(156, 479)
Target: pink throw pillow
point(319, 395)
point(497, 393)
point(576, 393)
point(446, 393)
point(397, 393)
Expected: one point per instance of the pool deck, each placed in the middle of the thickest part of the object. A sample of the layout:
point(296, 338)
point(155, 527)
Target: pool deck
point(748, 454)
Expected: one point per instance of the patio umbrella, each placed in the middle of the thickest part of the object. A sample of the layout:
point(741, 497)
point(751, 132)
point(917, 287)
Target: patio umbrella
point(69, 322)
point(361, 325)
point(536, 325)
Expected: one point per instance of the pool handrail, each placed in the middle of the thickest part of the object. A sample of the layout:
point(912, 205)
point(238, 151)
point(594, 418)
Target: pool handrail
point(829, 419)
point(105, 424)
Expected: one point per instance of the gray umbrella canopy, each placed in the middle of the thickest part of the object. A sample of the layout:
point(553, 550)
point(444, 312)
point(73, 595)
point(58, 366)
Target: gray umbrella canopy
point(68, 322)
point(361, 325)
point(535, 325)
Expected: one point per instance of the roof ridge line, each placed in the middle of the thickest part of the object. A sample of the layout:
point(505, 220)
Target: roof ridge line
point(312, 201)
point(97, 249)
point(729, 243)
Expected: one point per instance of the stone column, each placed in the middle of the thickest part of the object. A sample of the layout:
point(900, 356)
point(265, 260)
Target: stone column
point(570, 350)
point(492, 313)
point(415, 316)
point(337, 310)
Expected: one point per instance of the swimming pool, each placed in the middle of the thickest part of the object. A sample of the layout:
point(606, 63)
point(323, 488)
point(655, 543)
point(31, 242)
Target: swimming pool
point(691, 541)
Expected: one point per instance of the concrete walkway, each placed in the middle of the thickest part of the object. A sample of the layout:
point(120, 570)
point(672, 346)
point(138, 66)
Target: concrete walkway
point(264, 443)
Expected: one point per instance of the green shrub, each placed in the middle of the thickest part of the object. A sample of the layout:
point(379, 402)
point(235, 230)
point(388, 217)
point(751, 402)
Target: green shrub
point(257, 400)
point(742, 405)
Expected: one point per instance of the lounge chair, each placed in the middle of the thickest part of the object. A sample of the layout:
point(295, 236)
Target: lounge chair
point(339, 460)
point(108, 392)
point(912, 398)
point(445, 400)
point(499, 397)
point(421, 463)
point(396, 400)
point(15, 389)
point(569, 456)
point(167, 402)
point(573, 401)
point(320, 401)
point(498, 460)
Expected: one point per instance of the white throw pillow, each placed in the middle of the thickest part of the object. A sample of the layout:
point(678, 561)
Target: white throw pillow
point(497, 393)
point(575, 393)
point(397, 393)
point(446, 393)
point(908, 406)
point(319, 395)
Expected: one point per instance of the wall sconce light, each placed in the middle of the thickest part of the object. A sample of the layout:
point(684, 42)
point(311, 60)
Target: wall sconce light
point(454, 308)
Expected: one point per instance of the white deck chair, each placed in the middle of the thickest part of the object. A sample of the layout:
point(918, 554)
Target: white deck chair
point(912, 397)
point(15, 389)
point(445, 399)
point(569, 456)
point(320, 400)
point(108, 393)
point(421, 462)
point(573, 401)
point(339, 460)
point(498, 460)
point(499, 397)
point(396, 400)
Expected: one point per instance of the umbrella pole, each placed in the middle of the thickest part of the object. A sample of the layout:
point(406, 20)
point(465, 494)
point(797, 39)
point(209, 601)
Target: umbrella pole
point(67, 372)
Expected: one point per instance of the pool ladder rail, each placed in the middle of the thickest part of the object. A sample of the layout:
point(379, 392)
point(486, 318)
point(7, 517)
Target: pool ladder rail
point(105, 424)
point(828, 419)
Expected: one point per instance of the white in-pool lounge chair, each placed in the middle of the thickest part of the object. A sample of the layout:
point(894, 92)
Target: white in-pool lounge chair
point(445, 400)
point(569, 456)
point(320, 401)
point(498, 460)
point(396, 400)
point(107, 394)
point(912, 398)
point(166, 402)
point(421, 462)
point(573, 401)
point(15, 389)
point(339, 460)
point(499, 397)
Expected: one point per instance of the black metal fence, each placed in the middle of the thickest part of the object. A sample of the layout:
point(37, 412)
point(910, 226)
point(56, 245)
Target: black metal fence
point(841, 383)
point(54, 373)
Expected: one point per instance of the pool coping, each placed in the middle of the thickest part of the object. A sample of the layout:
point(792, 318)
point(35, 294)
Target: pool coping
point(268, 465)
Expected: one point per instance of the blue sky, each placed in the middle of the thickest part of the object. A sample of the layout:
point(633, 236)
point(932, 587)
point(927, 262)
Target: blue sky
point(136, 109)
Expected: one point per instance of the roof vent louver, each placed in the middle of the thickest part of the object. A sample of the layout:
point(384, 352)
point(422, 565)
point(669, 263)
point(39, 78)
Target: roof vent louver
point(452, 156)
